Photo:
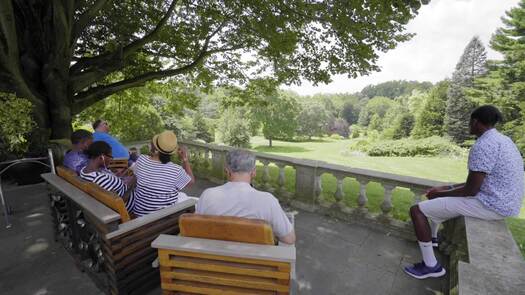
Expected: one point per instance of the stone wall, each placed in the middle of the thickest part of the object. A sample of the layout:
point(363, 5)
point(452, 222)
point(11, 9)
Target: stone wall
point(483, 257)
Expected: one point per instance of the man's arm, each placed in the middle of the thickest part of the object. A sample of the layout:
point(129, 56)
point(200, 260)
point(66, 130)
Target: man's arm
point(289, 238)
point(469, 189)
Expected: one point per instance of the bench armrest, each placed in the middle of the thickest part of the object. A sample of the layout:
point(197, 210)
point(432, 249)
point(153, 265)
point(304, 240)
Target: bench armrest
point(150, 218)
point(226, 248)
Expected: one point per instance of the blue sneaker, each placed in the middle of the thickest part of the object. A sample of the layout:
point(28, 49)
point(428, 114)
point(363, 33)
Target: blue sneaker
point(435, 242)
point(421, 271)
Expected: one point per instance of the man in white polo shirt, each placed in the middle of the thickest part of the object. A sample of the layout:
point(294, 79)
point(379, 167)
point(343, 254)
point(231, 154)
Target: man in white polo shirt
point(493, 190)
point(238, 198)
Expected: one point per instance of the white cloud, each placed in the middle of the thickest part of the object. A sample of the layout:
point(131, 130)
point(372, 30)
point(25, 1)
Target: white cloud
point(443, 28)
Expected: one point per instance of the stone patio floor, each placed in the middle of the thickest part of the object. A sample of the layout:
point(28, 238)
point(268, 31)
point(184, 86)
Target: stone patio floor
point(332, 257)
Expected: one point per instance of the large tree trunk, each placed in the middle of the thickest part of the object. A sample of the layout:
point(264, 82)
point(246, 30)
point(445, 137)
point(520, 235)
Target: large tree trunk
point(59, 108)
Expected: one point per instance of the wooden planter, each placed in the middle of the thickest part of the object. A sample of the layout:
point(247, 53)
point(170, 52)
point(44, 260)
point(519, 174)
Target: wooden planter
point(117, 255)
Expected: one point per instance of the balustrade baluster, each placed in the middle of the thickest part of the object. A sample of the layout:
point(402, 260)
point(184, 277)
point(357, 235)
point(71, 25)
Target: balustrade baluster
point(339, 193)
point(266, 174)
point(417, 195)
point(386, 206)
point(207, 159)
point(362, 199)
point(281, 179)
point(318, 187)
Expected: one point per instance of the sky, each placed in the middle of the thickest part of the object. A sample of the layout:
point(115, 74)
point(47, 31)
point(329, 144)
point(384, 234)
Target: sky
point(443, 28)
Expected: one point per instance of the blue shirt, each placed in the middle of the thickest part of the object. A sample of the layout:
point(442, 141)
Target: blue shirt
point(498, 157)
point(75, 160)
point(118, 150)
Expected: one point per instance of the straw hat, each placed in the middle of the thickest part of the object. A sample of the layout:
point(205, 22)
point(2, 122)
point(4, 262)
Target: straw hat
point(165, 142)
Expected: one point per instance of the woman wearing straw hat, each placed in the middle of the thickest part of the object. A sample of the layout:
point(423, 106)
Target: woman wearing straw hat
point(159, 180)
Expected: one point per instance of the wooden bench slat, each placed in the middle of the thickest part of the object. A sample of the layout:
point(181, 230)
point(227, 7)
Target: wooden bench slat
point(230, 250)
point(226, 228)
point(201, 288)
point(164, 256)
point(224, 279)
point(226, 267)
point(138, 223)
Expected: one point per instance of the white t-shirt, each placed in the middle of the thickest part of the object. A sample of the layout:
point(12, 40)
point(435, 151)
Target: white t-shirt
point(241, 200)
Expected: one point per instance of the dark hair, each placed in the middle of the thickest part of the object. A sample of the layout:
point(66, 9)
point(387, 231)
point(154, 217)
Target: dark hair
point(79, 135)
point(164, 158)
point(98, 148)
point(96, 123)
point(487, 114)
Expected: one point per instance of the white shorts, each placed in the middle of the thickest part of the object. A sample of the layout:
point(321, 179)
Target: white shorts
point(442, 209)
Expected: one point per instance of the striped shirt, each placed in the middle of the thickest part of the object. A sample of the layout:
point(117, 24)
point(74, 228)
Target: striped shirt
point(106, 180)
point(158, 185)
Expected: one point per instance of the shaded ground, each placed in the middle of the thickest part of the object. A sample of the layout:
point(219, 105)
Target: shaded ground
point(332, 257)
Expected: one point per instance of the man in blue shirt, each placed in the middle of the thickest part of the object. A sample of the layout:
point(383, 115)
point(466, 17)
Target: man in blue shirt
point(101, 128)
point(76, 159)
point(493, 190)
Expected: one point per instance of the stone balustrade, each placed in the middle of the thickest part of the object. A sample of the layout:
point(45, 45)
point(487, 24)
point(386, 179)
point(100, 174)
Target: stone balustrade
point(300, 183)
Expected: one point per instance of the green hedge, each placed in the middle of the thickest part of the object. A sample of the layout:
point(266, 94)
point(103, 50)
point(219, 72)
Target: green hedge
point(431, 146)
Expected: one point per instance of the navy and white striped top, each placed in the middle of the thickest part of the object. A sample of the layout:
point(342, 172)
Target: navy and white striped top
point(158, 185)
point(106, 180)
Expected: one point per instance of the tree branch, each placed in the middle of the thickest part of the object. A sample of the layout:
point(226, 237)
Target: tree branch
point(84, 79)
point(89, 97)
point(10, 55)
point(124, 52)
point(87, 17)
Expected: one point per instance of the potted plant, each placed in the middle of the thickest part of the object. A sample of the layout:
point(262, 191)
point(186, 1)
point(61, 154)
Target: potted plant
point(16, 123)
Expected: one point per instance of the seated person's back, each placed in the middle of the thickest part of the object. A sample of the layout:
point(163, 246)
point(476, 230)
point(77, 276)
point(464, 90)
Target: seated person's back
point(101, 128)
point(238, 198)
point(159, 180)
point(99, 154)
point(76, 158)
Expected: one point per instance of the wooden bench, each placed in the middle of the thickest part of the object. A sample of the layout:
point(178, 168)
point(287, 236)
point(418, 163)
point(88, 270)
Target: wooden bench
point(96, 229)
point(207, 258)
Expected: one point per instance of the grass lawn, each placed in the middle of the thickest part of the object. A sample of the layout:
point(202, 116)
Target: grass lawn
point(336, 151)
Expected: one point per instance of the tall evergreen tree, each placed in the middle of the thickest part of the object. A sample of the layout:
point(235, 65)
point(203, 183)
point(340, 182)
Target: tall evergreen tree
point(504, 86)
point(472, 64)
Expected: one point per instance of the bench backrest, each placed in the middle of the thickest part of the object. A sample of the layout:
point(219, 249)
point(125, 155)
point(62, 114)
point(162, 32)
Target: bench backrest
point(226, 228)
point(120, 163)
point(71, 177)
point(109, 199)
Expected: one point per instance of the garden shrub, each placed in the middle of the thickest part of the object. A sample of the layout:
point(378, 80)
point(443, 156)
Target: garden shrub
point(16, 122)
point(431, 146)
point(336, 136)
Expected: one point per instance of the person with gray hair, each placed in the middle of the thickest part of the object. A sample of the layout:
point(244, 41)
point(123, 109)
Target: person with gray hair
point(238, 198)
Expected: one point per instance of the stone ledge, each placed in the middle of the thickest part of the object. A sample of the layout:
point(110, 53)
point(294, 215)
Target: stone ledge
point(486, 259)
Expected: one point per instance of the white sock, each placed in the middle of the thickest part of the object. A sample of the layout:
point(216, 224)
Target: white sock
point(428, 253)
point(434, 229)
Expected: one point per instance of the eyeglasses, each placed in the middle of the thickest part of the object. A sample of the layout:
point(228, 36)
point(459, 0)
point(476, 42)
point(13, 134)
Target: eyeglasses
point(109, 156)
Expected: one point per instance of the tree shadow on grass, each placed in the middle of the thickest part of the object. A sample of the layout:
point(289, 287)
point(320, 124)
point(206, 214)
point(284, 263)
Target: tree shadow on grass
point(280, 149)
